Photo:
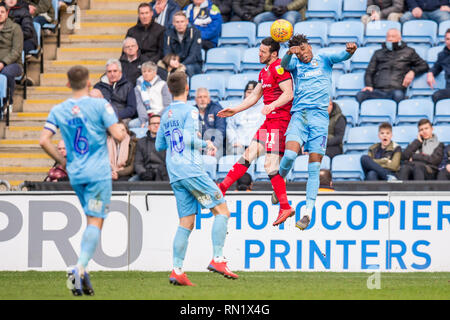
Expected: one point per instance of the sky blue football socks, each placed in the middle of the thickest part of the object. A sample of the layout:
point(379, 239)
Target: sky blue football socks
point(312, 185)
point(219, 233)
point(89, 243)
point(180, 244)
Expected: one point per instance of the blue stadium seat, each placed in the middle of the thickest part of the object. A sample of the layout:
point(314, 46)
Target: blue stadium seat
point(432, 54)
point(210, 165)
point(420, 31)
point(223, 59)
point(442, 131)
point(404, 135)
point(139, 132)
point(346, 31)
point(349, 84)
point(55, 26)
point(250, 60)
point(419, 86)
point(410, 111)
point(229, 103)
point(350, 108)
point(260, 172)
point(215, 83)
point(375, 111)
point(354, 9)
point(361, 58)
point(376, 30)
point(225, 164)
point(359, 139)
point(443, 26)
point(238, 33)
point(3, 89)
point(335, 75)
point(442, 113)
point(331, 9)
point(300, 168)
point(347, 167)
point(335, 49)
point(263, 31)
point(421, 49)
point(316, 31)
point(236, 84)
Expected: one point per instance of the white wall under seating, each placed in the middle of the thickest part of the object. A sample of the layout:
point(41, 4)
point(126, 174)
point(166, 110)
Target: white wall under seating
point(386, 231)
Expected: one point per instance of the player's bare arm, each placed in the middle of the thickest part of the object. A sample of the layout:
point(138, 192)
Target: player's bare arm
point(45, 141)
point(248, 102)
point(285, 97)
point(351, 47)
point(116, 132)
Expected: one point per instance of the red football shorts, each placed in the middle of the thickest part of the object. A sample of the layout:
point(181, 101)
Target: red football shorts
point(271, 133)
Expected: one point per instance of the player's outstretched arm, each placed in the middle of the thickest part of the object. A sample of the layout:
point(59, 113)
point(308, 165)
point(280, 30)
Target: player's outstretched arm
point(248, 102)
point(45, 141)
point(350, 49)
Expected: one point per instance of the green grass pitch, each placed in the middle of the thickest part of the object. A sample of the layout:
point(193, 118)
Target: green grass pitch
point(210, 286)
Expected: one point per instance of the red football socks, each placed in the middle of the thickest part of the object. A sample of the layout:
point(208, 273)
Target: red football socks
point(279, 186)
point(235, 173)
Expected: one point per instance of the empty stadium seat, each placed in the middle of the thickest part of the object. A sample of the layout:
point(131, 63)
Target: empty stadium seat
point(335, 49)
point(225, 164)
point(375, 111)
point(316, 31)
point(139, 132)
point(443, 26)
point(360, 138)
point(300, 168)
point(346, 31)
point(442, 131)
point(376, 30)
point(404, 135)
point(412, 110)
point(331, 9)
point(263, 31)
point(260, 173)
point(349, 84)
point(350, 108)
point(421, 49)
point(215, 83)
point(354, 8)
point(238, 33)
point(420, 31)
point(361, 58)
point(347, 167)
point(210, 165)
point(419, 86)
point(236, 84)
point(432, 54)
point(250, 60)
point(223, 59)
point(442, 112)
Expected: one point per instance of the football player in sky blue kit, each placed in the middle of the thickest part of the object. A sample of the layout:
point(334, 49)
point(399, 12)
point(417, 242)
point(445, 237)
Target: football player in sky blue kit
point(83, 122)
point(179, 135)
point(309, 123)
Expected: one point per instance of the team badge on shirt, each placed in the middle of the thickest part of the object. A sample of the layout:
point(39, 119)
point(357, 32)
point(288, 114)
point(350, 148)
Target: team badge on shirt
point(169, 114)
point(314, 63)
point(76, 110)
point(279, 70)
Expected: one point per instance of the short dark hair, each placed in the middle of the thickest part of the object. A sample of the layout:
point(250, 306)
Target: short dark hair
point(424, 121)
point(154, 116)
point(145, 5)
point(244, 183)
point(325, 177)
point(78, 77)
point(274, 46)
point(385, 125)
point(177, 82)
point(448, 31)
point(297, 40)
point(252, 83)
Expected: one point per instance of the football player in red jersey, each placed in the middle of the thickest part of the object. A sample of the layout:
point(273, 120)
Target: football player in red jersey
point(276, 88)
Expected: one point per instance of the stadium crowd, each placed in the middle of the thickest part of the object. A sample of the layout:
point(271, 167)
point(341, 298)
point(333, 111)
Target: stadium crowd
point(175, 35)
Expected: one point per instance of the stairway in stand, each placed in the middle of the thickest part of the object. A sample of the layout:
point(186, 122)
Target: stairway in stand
point(102, 25)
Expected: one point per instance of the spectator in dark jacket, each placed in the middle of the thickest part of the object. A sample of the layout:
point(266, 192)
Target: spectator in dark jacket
point(336, 130)
point(42, 11)
point(437, 10)
point(148, 33)
point(391, 70)
point(118, 91)
point(131, 61)
point(291, 10)
point(383, 159)
point(422, 156)
point(444, 167)
point(185, 41)
point(19, 13)
point(149, 164)
point(383, 10)
point(442, 63)
point(224, 8)
point(212, 127)
point(164, 11)
point(246, 10)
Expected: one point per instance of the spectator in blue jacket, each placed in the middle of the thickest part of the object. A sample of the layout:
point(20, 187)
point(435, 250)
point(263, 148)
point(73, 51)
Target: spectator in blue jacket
point(184, 41)
point(212, 127)
point(442, 63)
point(164, 11)
point(206, 17)
point(437, 10)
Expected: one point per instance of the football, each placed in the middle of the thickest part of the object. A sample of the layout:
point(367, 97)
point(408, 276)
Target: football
point(281, 30)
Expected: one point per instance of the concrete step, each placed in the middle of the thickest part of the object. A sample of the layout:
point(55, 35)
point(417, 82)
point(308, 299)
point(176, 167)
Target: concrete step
point(40, 105)
point(90, 28)
point(25, 159)
point(115, 4)
point(49, 92)
point(17, 145)
point(62, 66)
point(93, 39)
point(19, 117)
point(60, 80)
point(15, 178)
point(109, 15)
point(88, 53)
point(26, 132)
